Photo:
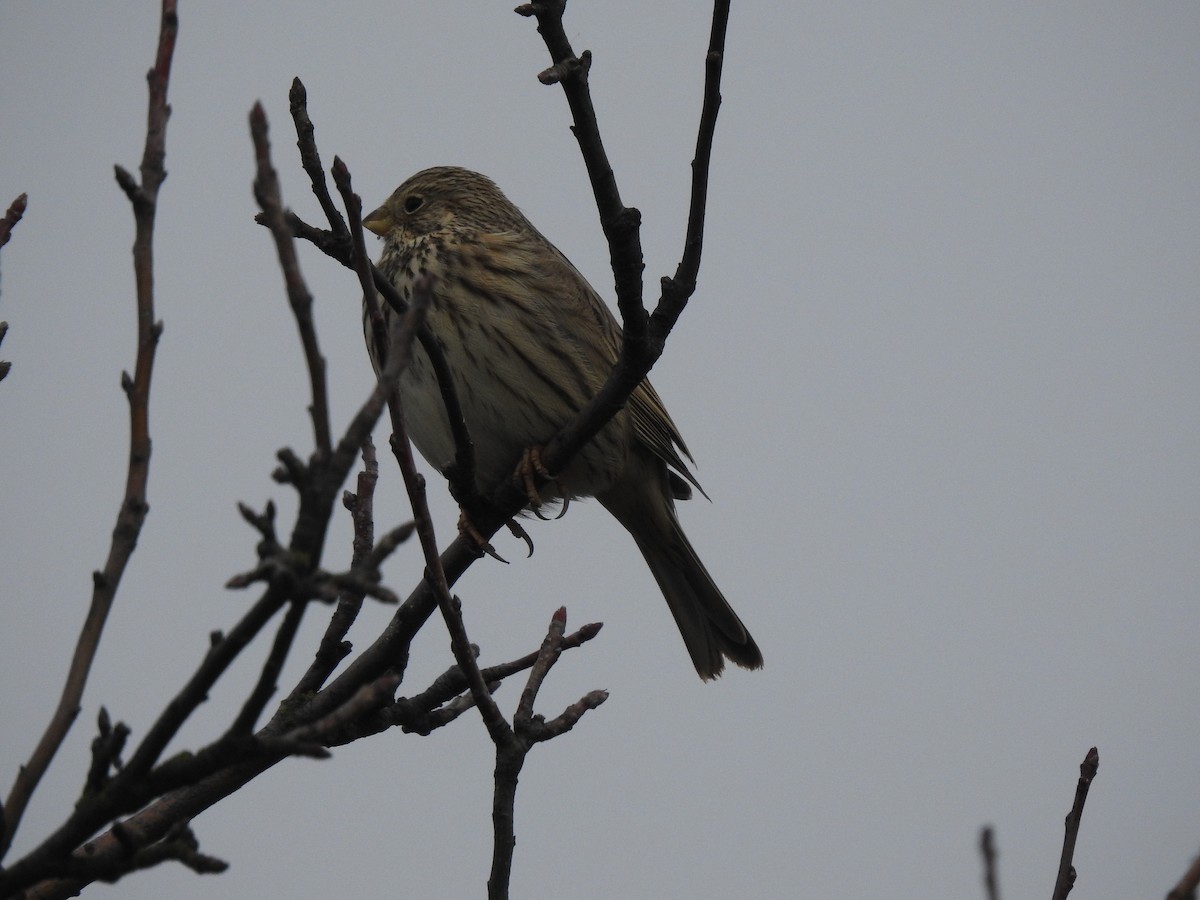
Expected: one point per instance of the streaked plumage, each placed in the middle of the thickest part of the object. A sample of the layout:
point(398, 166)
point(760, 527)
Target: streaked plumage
point(530, 342)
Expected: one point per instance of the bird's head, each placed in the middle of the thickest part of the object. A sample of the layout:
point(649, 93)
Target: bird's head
point(442, 199)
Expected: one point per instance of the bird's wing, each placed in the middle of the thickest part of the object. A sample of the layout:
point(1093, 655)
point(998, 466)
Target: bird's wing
point(580, 310)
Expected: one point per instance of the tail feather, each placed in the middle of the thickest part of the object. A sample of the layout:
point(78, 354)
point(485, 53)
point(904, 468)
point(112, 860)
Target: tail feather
point(710, 628)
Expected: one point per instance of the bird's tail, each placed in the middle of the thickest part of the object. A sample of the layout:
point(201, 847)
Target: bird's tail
point(710, 628)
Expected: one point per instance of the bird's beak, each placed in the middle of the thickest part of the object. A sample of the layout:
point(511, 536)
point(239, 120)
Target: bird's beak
point(378, 221)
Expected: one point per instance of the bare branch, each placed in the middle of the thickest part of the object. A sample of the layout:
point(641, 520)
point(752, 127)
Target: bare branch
point(266, 191)
point(527, 730)
point(310, 159)
point(5, 365)
point(676, 291)
point(1186, 888)
point(16, 210)
point(362, 694)
point(267, 684)
point(346, 246)
point(1066, 871)
point(106, 752)
point(180, 845)
point(133, 509)
point(400, 343)
point(621, 224)
point(644, 337)
point(987, 849)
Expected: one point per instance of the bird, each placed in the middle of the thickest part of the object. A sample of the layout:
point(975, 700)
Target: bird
point(529, 343)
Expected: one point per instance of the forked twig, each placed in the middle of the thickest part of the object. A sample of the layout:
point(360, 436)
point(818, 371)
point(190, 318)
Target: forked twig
point(143, 197)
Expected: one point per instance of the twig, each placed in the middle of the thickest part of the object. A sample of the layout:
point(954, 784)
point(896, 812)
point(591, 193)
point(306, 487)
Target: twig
point(267, 683)
point(132, 514)
point(644, 337)
point(266, 191)
point(16, 210)
point(1186, 888)
point(180, 845)
point(346, 246)
point(677, 290)
point(333, 648)
point(987, 849)
point(1066, 871)
point(621, 224)
point(527, 730)
point(414, 483)
point(310, 159)
point(444, 700)
point(106, 752)
point(5, 368)
point(400, 343)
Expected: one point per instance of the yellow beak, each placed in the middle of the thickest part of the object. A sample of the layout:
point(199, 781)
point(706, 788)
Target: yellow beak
point(378, 221)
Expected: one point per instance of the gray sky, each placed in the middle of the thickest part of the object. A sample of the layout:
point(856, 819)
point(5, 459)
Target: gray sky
point(940, 379)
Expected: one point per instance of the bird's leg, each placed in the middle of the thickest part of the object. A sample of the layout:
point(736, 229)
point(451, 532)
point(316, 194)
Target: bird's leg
point(525, 478)
point(468, 497)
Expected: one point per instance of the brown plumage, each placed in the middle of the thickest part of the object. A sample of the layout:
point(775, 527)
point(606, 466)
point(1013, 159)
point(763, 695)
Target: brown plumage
point(530, 342)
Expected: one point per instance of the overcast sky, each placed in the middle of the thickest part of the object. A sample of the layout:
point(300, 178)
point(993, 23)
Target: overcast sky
point(940, 377)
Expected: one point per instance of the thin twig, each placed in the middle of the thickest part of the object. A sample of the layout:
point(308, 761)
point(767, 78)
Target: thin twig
point(16, 210)
point(132, 514)
point(987, 849)
point(266, 191)
point(644, 337)
point(310, 159)
point(346, 246)
point(511, 752)
point(400, 342)
point(333, 647)
point(268, 679)
point(621, 224)
point(414, 483)
point(677, 290)
point(1186, 888)
point(1066, 871)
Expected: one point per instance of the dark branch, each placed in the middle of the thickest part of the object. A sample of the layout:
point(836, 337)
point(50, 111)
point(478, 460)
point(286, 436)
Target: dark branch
point(987, 849)
point(132, 513)
point(333, 647)
point(266, 191)
point(526, 731)
point(677, 290)
point(621, 224)
point(310, 159)
point(16, 210)
point(1186, 888)
point(642, 344)
point(1066, 871)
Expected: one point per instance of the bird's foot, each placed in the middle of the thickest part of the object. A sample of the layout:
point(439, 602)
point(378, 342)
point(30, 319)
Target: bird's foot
point(466, 527)
point(528, 470)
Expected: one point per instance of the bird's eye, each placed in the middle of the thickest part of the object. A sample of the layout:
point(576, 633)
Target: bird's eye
point(413, 202)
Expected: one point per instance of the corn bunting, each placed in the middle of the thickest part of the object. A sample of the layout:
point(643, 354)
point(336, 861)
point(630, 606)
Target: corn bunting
point(529, 342)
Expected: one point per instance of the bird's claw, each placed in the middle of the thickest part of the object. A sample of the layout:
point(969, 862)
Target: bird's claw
point(528, 468)
point(467, 528)
point(517, 531)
